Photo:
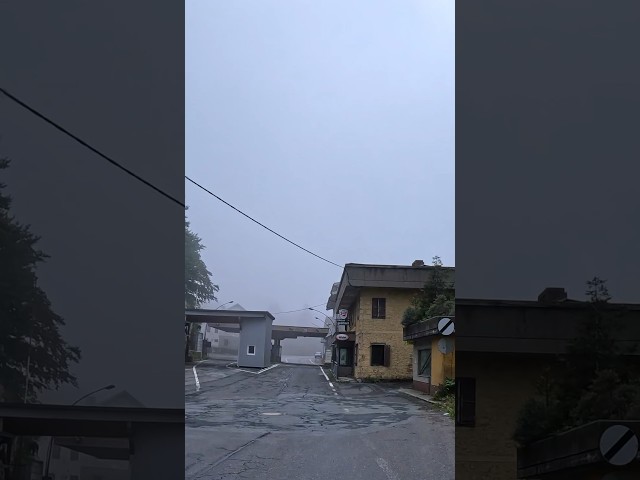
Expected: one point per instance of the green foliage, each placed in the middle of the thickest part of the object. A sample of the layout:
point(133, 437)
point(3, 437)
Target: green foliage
point(29, 327)
point(590, 382)
point(198, 287)
point(410, 316)
point(435, 299)
point(448, 388)
point(446, 395)
point(449, 405)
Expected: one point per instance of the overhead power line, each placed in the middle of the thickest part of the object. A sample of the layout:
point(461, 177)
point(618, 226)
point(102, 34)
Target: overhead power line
point(300, 310)
point(86, 145)
point(262, 225)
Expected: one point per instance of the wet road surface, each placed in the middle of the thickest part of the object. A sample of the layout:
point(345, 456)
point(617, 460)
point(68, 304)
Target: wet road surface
point(288, 423)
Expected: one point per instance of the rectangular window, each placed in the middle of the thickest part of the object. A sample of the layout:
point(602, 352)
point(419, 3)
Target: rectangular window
point(344, 359)
point(380, 355)
point(251, 350)
point(424, 362)
point(378, 307)
point(466, 402)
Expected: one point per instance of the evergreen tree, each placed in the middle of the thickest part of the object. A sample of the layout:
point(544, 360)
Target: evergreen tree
point(29, 328)
point(198, 287)
point(591, 381)
point(436, 298)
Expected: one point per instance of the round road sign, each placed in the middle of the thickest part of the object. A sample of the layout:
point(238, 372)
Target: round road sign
point(446, 326)
point(619, 445)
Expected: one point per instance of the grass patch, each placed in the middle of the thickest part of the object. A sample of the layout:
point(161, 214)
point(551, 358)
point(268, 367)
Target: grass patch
point(447, 396)
point(448, 404)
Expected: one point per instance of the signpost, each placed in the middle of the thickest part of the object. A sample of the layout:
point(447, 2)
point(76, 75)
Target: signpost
point(343, 313)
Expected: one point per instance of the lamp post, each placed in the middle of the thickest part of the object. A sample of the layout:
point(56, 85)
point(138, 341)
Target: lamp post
point(330, 319)
point(219, 306)
point(50, 449)
point(333, 323)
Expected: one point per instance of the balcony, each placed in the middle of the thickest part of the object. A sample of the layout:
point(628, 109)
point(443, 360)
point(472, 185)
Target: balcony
point(424, 328)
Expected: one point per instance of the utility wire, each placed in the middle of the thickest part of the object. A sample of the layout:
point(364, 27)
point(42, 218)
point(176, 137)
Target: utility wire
point(262, 225)
point(86, 145)
point(300, 310)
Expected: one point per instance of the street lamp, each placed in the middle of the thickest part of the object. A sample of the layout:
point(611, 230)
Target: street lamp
point(50, 449)
point(331, 319)
point(219, 306)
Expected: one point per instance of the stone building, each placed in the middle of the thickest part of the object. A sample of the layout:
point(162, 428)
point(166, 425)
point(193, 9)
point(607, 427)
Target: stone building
point(502, 349)
point(368, 341)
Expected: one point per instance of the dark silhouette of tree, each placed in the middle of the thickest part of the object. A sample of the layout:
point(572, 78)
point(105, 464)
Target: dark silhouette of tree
point(29, 328)
point(198, 287)
point(591, 381)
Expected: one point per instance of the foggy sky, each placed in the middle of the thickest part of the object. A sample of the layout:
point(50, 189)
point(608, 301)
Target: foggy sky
point(330, 122)
point(547, 148)
point(116, 269)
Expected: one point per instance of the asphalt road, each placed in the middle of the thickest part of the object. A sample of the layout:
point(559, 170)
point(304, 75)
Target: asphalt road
point(289, 423)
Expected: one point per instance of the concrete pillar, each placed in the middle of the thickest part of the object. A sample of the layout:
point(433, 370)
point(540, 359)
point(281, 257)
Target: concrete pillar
point(158, 451)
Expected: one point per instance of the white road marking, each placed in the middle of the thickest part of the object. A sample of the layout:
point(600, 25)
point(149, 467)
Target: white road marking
point(346, 409)
point(195, 374)
point(330, 384)
point(255, 373)
point(272, 413)
point(310, 361)
point(382, 463)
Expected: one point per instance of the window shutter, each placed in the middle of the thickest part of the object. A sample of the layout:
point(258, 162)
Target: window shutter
point(387, 355)
point(383, 308)
point(466, 402)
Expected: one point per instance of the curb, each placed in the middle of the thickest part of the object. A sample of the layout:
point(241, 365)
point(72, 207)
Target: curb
point(419, 397)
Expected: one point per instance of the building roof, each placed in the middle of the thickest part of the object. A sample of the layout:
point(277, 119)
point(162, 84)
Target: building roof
point(223, 316)
point(535, 327)
point(356, 276)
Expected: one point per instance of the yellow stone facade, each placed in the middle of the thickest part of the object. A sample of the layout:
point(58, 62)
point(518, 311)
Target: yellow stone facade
point(387, 331)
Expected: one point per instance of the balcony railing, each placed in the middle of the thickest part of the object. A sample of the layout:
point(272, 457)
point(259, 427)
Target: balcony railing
point(424, 328)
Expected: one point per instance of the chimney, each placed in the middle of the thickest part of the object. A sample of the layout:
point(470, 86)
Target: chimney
point(418, 263)
point(552, 295)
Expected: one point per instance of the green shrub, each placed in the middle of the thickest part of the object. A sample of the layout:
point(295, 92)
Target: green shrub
point(448, 388)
